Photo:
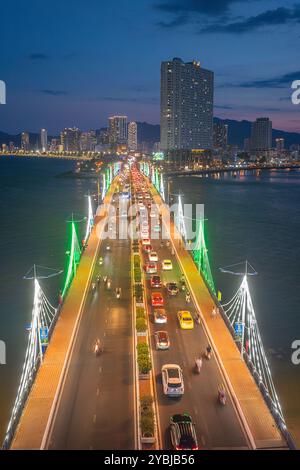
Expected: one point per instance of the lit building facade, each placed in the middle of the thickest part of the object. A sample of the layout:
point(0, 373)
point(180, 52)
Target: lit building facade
point(132, 136)
point(261, 134)
point(186, 106)
point(70, 139)
point(117, 129)
point(43, 140)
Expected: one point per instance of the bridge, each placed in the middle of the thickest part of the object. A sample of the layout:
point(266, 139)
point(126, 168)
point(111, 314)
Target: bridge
point(70, 399)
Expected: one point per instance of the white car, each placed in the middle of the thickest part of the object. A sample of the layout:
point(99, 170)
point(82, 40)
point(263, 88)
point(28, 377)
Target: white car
point(167, 265)
point(160, 315)
point(153, 256)
point(146, 241)
point(172, 380)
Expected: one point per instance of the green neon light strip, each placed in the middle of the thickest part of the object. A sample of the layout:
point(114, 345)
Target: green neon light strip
point(200, 255)
point(74, 258)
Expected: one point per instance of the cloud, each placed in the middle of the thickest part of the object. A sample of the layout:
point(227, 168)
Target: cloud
point(54, 92)
point(185, 11)
point(129, 100)
point(279, 16)
point(203, 7)
point(38, 56)
point(225, 106)
point(275, 82)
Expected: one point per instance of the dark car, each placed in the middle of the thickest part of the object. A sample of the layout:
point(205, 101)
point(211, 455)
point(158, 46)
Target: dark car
point(172, 288)
point(183, 434)
point(155, 281)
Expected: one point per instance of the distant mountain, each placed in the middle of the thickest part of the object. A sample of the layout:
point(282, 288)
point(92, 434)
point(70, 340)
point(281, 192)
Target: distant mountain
point(150, 133)
point(16, 139)
point(240, 130)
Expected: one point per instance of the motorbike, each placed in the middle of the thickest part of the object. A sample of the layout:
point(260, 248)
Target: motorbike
point(100, 262)
point(93, 287)
point(188, 297)
point(222, 396)
point(108, 284)
point(208, 352)
point(98, 279)
point(198, 365)
point(108, 247)
point(118, 293)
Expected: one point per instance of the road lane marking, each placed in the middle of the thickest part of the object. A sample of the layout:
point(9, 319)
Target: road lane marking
point(100, 370)
point(94, 418)
point(98, 392)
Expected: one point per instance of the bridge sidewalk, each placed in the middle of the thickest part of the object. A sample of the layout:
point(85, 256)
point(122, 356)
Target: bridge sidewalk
point(254, 409)
point(34, 420)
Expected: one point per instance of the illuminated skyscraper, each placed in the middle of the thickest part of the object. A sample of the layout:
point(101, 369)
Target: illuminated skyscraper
point(132, 136)
point(70, 138)
point(43, 140)
point(117, 128)
point(25, 141)
point(186, 106)
point(261, 134)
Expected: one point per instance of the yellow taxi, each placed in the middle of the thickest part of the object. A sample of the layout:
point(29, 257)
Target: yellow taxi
point(185, 319)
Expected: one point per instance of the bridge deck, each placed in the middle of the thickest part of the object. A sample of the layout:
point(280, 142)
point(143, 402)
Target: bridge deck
point(33, 422)
point(257, 415)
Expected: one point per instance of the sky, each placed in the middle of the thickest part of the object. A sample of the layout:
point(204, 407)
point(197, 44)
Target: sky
point(74, 62)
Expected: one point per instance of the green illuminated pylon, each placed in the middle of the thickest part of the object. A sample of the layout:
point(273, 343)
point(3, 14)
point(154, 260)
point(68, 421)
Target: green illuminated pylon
point(162, 187)
point(74, 257)
point(200, 255)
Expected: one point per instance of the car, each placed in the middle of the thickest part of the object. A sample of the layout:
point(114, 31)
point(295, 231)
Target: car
point(153, 256)
point(155, 281)
point(148, 249)
point(172, 380)
point(146, 241)
point(151, 268)
point(160, 315)
point(172, 288)
point(182, 432)
point(162, 340)
point(157, 299)
point(167, 265)
point(185, 319)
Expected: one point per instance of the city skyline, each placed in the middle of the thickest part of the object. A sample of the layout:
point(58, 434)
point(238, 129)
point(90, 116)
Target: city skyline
point(68, 82)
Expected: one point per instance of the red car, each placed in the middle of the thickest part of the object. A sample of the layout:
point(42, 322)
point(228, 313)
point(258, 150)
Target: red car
point(155, 281)
point(147, 248)
point(157, 299)
point(151, 268)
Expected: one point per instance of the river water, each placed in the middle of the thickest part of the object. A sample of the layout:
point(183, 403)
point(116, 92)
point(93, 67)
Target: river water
point(254, 217)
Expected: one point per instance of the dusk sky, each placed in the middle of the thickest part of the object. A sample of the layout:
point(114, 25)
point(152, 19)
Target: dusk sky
point(74, 63)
